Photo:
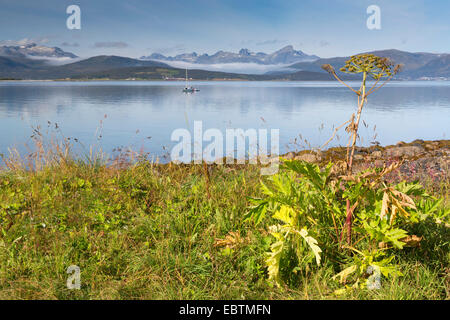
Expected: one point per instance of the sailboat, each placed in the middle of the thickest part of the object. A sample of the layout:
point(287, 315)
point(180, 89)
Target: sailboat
point(188, 89)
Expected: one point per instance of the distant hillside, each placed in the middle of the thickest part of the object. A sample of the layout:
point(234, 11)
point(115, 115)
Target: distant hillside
point(13, 68)
point(411, 61)
point(101, 63)
point(158, 73)
point(22, 68)
point(438, 67)
point(11, 65)
point(415, 65)
point(161, 73)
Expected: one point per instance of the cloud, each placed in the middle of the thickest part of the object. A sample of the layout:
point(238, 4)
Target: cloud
point(246, 68)
point(324, 43)
point(67, 44)
point(111, 44)
point(54, 60)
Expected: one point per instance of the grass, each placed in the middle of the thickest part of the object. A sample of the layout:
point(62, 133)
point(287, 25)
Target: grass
point(152, 231)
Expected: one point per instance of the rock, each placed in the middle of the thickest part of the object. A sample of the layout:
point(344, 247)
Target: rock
point(377, 154)
point(308, 157)
point(445, 151)
point(320, 154)
point(406, 151)
point(289, 156)
point(358, 157)
point(432, 145)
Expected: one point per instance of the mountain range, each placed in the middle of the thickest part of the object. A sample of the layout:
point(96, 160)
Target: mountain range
point(286, 55)
point(114, 67)
point(34, 50)
point(35, 62)
point(415, 65)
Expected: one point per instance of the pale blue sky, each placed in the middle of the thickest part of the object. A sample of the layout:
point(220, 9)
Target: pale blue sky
point(137, 27)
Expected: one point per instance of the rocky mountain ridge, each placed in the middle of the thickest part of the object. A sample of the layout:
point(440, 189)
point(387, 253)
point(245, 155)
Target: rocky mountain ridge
point(286, 55)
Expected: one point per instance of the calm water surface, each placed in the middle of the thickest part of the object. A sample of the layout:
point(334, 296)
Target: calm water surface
point(142, 115)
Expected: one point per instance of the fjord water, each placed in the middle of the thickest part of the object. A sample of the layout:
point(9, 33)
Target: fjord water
point(142, 115)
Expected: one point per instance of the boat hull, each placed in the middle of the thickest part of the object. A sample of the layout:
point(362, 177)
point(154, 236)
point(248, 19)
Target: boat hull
point(190, 90)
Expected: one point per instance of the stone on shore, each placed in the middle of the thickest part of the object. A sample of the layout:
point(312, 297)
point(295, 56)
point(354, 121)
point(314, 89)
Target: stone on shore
point(308, 157)
point(406, 151)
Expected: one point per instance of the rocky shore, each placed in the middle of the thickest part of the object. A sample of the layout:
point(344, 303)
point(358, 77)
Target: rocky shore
point(423, 160)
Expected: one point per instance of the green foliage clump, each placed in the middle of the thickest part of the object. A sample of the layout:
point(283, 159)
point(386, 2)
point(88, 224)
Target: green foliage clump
point(312, 227)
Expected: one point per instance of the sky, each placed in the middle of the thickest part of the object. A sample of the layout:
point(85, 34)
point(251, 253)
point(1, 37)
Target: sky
point(135, 28)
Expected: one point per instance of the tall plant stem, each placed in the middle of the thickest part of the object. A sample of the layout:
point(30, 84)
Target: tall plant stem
point(361, 101)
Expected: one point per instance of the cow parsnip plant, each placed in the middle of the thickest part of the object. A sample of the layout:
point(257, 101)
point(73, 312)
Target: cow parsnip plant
point(308, 206)
point(355, 222)
point(296, 204)
point(370, 66)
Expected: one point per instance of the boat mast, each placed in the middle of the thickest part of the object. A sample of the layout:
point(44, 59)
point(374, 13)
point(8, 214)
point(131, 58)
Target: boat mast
point(186, 79)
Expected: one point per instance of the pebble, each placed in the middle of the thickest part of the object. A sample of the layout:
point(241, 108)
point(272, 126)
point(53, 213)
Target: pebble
point(308, 157)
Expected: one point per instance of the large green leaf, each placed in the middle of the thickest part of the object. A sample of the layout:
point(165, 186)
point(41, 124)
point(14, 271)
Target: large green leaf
point(312, 244)
point(273, 261)
point(285, 214)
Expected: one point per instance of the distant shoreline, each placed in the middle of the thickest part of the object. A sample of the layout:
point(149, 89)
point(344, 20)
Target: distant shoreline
point(199, 80)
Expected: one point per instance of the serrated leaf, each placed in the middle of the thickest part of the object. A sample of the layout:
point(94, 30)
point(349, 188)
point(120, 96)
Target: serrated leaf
point(400, 207)
point(257, 213)
point(345, 273)
point(384, 205)
point(285, 214)
point(266, 189)
point(394, 236)
point(273, 260)
point(312, 244)
point(405, 199)
point(393, 213)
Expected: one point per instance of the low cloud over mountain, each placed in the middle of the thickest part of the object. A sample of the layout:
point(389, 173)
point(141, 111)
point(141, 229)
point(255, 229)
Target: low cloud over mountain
point(233, 67)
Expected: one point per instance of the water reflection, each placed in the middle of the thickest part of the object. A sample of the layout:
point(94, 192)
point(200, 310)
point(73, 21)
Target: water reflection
point(401, 111)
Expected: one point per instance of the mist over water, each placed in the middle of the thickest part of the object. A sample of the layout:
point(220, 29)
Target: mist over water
point(237, 67)
point(143, 115)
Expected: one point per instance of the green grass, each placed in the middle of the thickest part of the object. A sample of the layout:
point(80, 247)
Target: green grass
point(147, 231)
